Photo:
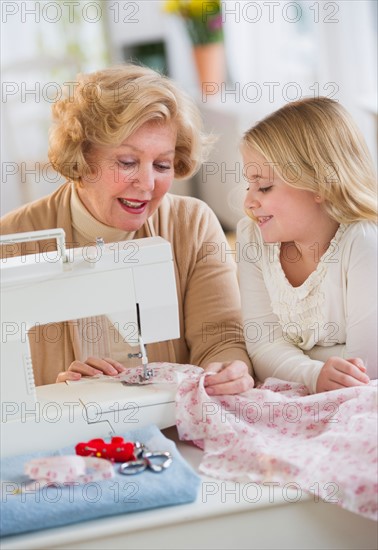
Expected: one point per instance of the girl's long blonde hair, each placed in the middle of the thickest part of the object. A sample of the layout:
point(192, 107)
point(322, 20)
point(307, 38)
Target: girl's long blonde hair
point(315, 145)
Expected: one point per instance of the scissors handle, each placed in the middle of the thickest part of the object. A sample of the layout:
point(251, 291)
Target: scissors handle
point(133, 467)
point(146, 461)
point(158, 454)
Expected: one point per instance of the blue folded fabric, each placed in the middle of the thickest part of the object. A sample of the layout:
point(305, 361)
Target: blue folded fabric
point(60, 505)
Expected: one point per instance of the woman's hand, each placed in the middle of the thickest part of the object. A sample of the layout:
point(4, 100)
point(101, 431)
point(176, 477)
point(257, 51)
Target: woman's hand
point(338, 373)
point(230, 378)
point(90, 367)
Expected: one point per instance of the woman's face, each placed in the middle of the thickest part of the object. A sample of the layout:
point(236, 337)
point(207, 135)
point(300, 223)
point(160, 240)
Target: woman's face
point(129, 182)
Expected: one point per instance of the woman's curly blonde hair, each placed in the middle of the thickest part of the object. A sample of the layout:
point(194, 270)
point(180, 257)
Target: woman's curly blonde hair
point(315, 145)
point(107, 106)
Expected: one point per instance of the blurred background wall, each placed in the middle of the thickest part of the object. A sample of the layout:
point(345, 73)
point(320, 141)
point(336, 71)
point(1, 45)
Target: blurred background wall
point(276, 51)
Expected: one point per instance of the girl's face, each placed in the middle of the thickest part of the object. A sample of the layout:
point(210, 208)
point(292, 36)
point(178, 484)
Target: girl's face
point(129, 182)
point(283, 213)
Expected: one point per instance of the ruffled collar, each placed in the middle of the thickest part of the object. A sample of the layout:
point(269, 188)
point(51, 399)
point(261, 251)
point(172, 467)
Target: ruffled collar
point(316, 277)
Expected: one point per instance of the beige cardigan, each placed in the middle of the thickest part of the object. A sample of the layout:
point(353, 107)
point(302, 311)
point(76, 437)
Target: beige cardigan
point(207, 287)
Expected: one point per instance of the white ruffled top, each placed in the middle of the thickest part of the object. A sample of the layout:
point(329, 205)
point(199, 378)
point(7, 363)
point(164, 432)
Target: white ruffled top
point(290, 331)
point(300, 306)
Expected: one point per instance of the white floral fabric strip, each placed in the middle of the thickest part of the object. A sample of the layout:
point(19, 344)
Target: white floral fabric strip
point(67, 469)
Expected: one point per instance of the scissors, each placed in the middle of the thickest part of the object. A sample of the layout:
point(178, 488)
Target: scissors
point(146, 459)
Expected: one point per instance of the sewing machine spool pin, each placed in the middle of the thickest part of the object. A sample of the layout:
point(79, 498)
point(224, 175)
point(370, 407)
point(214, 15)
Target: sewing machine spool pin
point(100, 242)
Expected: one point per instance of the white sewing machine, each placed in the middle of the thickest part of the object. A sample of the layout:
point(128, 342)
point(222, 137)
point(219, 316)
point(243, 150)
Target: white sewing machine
point(133, 283)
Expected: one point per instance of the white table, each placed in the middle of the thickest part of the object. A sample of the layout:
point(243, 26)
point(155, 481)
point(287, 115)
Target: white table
point(225, 515)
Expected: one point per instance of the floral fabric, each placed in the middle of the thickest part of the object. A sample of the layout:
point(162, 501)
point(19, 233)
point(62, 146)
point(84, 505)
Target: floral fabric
point(277, 433)
point(323, 443)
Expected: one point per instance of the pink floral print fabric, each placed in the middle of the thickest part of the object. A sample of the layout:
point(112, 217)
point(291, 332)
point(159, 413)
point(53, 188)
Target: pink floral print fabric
point(279, 433)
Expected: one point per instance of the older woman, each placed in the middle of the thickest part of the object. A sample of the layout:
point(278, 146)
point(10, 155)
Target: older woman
point(120, 139)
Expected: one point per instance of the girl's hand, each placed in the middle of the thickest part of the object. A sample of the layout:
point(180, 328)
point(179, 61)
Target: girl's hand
point(340, 373)
point(90, 367)
point(230, 378)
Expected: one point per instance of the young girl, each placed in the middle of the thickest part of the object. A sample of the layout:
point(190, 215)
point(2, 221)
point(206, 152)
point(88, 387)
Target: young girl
point(308, 251)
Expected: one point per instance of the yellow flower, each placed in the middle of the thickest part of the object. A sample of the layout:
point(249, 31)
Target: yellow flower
point(203, 18)
point(172, 6)
point(192, 8)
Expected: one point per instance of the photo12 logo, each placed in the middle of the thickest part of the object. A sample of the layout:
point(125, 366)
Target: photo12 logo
point(270, 12)
point(270, 92)
point(69, 11)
